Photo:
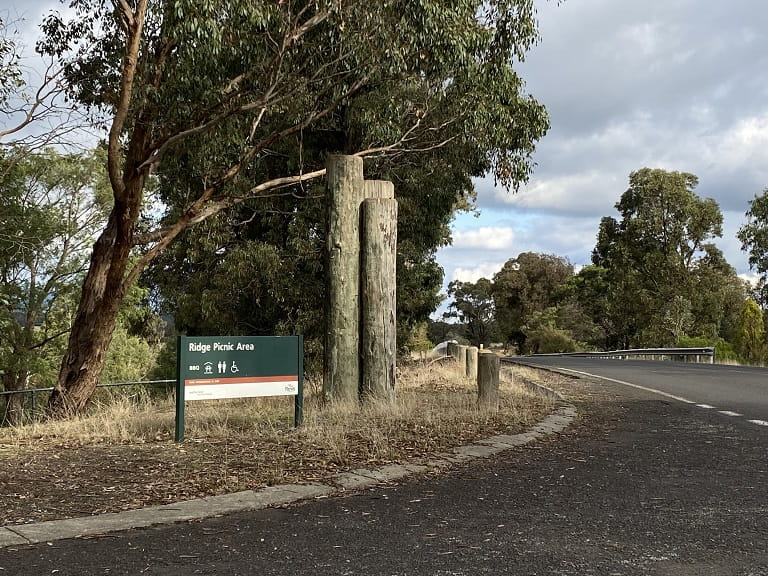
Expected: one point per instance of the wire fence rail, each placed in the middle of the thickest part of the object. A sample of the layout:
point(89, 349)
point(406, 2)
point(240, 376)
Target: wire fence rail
point(705, 354)
point(34, 400)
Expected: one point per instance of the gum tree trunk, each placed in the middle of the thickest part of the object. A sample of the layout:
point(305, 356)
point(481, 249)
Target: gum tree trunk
point(103, 291)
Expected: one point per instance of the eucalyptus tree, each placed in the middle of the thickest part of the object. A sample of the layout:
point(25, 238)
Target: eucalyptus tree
point(259, 268)
point(472, 304)
point(525, 285)
point(657, 255)
point(176, 76)
point(52, 207)
point(754, 239)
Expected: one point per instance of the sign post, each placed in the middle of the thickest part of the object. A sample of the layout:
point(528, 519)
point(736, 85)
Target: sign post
point(215, 367)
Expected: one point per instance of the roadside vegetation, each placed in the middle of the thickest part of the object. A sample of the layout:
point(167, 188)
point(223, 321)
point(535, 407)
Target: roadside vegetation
point(198, 208)
point(122, 455)
point(657, 279)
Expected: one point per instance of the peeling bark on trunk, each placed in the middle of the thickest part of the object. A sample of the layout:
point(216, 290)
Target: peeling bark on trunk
point(102, 294)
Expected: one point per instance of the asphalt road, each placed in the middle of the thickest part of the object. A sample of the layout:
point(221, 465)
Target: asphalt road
point(737, 391)
point(640, 484)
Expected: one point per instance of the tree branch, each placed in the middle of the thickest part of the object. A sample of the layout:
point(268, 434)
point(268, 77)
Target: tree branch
point(128, 76)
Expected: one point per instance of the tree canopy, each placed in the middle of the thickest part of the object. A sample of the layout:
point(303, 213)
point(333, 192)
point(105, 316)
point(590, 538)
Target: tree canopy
point(657, 255)
point(229, 86)
point(524, 286)
point(473, 306)
point(52, 206)
point(754, 239)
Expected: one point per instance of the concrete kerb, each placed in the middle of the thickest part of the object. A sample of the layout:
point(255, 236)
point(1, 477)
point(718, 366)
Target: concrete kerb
point(211, 506)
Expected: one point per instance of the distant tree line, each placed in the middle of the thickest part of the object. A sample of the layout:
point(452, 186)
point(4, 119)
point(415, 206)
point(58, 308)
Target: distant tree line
point(656, 279)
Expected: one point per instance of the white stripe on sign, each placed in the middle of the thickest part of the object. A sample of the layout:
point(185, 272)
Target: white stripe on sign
point(705, 406)
point(759, 422)
point(729, 413)
point(225, 389)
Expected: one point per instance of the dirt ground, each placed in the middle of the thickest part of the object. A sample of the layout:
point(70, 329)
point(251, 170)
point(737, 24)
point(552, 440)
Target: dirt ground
point(49, 480)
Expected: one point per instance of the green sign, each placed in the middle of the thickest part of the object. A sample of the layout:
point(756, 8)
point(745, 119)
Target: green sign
point(214, 367)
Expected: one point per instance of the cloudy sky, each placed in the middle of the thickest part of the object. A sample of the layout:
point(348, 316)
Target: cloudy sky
point(673, 84)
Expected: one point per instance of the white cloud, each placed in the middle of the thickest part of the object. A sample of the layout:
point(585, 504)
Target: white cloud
point(664, 84)
point(486, 237)
point(575, 192)
point(751, 278)
point(745, 144)
point(486, 270)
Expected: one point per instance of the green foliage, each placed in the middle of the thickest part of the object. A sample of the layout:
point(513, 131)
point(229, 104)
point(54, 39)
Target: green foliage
point(544, 334)
point(165, 367)
point(10, 69)
point(231, 102)
point(754, 239)
point(440, 331)
point(473, 306)
point(129, 359)
point(424, 73)
point(547, 339)
point(664, 280)
point(231, 98)
point(526, 285)
point(724, 350)
point(750, 337)
point(419, 342)
point(50, 213)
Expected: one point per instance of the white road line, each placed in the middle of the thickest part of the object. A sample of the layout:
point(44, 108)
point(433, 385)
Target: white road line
point(653, 390)
point(661, 393)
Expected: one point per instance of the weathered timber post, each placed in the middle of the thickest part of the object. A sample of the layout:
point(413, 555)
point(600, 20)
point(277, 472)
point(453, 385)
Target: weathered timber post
point(472, 362)
point(488, 381)
point(461, 358)
point(379, 189)
point(379, 331)
point(452, 350)
point(341, 373)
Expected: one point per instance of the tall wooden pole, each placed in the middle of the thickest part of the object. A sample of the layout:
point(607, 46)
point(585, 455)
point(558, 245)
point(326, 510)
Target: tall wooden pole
point(341, 373)
point(379, 332)
point(379, 189)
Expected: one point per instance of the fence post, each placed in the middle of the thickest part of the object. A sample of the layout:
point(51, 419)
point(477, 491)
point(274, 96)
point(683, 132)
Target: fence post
point(461, 357)
point(488, 381)
point(472, 353)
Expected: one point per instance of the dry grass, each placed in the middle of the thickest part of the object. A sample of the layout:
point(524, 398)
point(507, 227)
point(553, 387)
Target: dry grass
point(239, 444)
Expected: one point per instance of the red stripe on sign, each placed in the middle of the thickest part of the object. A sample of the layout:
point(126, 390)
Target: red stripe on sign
point(240, 380)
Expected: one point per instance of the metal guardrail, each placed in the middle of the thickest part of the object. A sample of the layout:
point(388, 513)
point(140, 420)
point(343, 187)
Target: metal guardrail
point(647, 353)
point(31, 406)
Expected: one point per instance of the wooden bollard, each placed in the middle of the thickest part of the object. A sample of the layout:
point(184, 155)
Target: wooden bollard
point(488, 366)
point(472, 362)
point(462, 357)
point(452, 350)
